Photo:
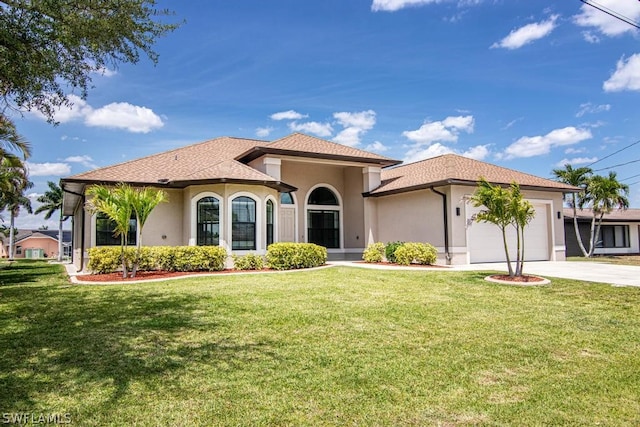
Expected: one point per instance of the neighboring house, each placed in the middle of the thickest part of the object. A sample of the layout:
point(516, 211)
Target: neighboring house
point(244, 194)
point(38, 244)
point(619, 234)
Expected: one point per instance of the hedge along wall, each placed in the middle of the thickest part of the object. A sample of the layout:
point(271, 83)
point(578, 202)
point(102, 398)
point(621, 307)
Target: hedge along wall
point(107, 259)
point(290, 256)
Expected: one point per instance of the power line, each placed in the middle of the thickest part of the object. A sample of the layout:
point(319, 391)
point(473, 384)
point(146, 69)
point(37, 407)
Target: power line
point(632, 176)
point(633, 183)
point(613, 154)
point(610, 12)
point(615, 166)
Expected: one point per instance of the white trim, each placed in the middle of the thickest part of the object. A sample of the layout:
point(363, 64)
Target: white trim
point(276, 214)
point(193, 235)
point(272, 161)
point(324, 207)
point(259, 228)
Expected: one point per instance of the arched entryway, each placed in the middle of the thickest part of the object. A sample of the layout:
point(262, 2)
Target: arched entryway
point(324, 217)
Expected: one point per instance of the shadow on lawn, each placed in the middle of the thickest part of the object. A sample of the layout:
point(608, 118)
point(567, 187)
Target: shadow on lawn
point(22, 272)
point(54, 340)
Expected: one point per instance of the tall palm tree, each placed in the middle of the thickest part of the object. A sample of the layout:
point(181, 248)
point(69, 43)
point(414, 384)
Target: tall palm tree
point(578, 177)
point(14, 182)
point(11, 141)
point(604, 193)
point(143, 202)
point(51, 203)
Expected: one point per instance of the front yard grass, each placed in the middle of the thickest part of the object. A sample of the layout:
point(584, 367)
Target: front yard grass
point(337, 346)
point(610, 259)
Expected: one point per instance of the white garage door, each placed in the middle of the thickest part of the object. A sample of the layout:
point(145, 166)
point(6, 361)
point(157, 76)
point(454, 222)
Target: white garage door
point(484, 240)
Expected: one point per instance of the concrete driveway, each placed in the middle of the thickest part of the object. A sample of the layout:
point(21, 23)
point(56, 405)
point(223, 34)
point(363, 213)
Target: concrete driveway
point(617, 275)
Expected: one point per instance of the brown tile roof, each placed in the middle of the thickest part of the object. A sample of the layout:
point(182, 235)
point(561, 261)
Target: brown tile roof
point(211, 159)
point(615, 215)
point(299, 144)
point(454, 169)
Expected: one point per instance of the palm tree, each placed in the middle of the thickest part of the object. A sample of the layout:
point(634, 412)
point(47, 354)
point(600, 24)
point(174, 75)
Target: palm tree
point(604, 193)
point(13, 183)
point(10, 141)
point(143, 202)
point(578, 178)
point(116, 205)
point(51, 202)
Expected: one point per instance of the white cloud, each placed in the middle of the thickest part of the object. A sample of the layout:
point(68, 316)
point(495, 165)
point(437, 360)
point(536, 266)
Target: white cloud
point(589, 37)
point(320, 129)
point(48, 169)
point(288, 115)
point(263, 132)
point(393, 5)
point(576, 161)
point(122, 115)
point(527, 34)
point(626, 76)
point(572, 150)
point(118, 115)
point(589, 108)
point(105, 72)
point(608, 25)
point(445, 130)
point(377, 146)
point(530, 146)
point(479, 152)
point(512, 122)
point(84, 160)
point(355, 124)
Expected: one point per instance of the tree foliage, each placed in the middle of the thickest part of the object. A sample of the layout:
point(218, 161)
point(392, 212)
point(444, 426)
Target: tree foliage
point(578, 177)
point(505, 207)
point(49, 49)
point(14, 181)
point(51, 203)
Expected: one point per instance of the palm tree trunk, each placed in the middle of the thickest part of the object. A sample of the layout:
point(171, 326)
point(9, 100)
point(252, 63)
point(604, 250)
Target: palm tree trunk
point(520, 273)
point(136, 261)
point(506, 251)
point(518, 254)
point(597, 233)
point(577, 229)
point(12, 236)
point(592, 236)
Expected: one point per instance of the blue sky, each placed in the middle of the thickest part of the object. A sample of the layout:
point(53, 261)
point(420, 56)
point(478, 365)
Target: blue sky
point(528, 85)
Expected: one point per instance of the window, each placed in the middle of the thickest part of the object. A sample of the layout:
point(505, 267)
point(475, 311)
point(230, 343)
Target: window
point(270, 222)
point(18, 250)
point(243, 223)
point(286, 199)
point(105, 231)
point(208, 227)
point(323, 218)
point(613, 236)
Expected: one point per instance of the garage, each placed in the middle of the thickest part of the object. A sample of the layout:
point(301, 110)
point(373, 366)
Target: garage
point(484, 240)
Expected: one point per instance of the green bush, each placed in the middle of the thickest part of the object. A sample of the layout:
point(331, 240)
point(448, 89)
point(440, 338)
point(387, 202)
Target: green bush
point(390, 251)
point(107, 259)
point(289, 256)
point(248, 262)
point(374, 252)
point(419, 253)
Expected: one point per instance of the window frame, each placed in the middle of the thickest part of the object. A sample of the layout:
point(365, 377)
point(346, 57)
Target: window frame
point(257, 241)
point(337, 208)
point(132, 237)
point(203, 242)
point(626, 241)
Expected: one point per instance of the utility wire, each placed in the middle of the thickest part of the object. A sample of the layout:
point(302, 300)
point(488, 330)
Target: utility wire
point(628, 178)
point(611, 13)
point(613, 154)
point(633, 183)
point(615, 166)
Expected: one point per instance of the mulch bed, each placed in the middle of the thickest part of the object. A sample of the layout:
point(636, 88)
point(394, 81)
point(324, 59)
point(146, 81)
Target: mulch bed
point(148, 275)
point(517, 279)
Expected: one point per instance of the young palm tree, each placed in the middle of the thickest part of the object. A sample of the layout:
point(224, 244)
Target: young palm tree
point(578, 177)
point(604, 193)
point(51, 203)
point(143, 202)
point(116, 205)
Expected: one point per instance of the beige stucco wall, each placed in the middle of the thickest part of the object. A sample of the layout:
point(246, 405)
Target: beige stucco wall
point(165, 220)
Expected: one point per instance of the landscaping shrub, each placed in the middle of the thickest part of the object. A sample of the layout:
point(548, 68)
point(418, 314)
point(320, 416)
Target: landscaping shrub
point(248, 262)
point(289, 256)
point(107, 259)
point(390, 250)
point(374, 252)
point(419, 253)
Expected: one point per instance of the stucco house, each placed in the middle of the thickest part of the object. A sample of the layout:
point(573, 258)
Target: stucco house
point(244, 194)
point(38, 244)
point(619, 234)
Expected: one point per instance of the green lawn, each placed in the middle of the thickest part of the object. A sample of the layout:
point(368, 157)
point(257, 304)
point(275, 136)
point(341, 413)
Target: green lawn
point(338, 346)
point(610, 259)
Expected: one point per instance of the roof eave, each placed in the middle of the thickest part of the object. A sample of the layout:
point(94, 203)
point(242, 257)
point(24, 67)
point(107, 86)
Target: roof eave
point(257, 152)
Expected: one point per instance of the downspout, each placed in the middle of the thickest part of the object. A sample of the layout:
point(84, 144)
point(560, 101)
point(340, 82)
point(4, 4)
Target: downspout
point(447, 254)
point(82, 233)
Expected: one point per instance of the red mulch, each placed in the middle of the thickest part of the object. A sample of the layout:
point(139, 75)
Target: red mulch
point(147, 275)
point(517, 279)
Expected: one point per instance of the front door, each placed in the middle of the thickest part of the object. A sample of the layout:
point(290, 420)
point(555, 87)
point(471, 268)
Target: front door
point(287, 225)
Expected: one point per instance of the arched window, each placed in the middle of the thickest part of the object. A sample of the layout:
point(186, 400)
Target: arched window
point(323, 218)
point(243, 223)
point(286, 199)
point(269, 222)
point(208, 226)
